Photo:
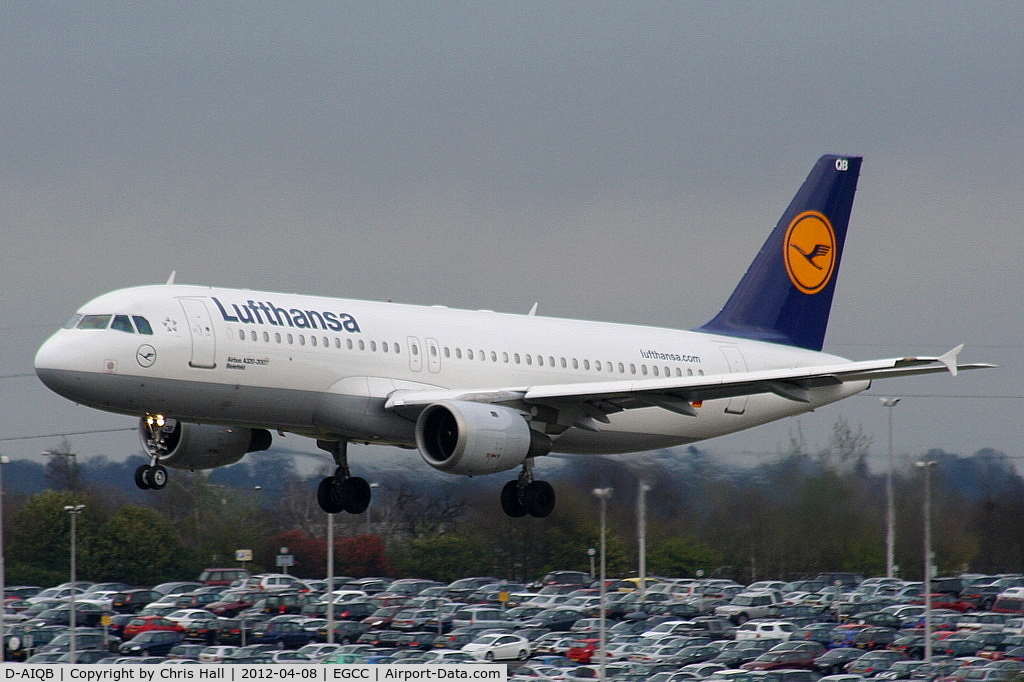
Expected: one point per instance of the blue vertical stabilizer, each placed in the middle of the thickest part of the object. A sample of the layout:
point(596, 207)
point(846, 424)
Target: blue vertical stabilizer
point(786, 294)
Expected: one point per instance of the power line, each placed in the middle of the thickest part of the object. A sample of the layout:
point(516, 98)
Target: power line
point(69, 433)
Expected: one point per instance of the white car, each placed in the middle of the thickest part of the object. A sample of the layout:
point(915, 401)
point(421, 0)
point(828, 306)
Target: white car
point(445, 657)
point(497, 647)
point(766, 629)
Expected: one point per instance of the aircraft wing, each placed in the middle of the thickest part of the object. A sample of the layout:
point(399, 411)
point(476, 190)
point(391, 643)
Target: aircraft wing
point(599, 398)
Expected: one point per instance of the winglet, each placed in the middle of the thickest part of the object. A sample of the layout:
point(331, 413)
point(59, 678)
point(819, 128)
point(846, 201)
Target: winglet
point(949, 359)
point(170, 280)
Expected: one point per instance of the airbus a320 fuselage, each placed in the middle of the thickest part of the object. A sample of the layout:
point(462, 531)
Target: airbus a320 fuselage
point(211, 372)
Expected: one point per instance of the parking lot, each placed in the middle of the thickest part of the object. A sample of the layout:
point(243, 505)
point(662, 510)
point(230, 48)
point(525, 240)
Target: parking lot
point(678, 629)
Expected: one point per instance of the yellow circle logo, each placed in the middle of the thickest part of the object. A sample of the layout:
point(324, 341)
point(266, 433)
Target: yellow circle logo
point(809, 251)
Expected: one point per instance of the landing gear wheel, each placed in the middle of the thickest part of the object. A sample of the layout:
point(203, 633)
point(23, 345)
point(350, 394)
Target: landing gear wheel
point(539, 499)
point(142, 477)
point(510, 501)
point(329, 496)
point(356, 494)
point(157, 477)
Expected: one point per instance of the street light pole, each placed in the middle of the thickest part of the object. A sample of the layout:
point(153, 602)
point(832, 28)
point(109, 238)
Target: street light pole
point(603, 494)
point(641, 532)
point(927, 466)
point(73, 510)
point(330, 578)
point(3, 571)
point(890, 512)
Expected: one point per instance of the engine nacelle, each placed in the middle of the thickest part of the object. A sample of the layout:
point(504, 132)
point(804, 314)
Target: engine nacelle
point(199, 446)
point(467, 438)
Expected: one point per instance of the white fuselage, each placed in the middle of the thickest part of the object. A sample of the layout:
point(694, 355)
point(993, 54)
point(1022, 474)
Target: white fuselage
point(324, 367)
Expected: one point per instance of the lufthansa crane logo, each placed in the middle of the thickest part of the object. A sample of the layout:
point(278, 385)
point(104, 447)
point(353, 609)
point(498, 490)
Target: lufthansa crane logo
point(809, 251)
point(145, 355)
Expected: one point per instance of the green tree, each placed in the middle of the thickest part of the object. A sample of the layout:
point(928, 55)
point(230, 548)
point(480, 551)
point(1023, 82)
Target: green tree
point(680, 558)
point(138, 546)
point(444, 558)
point(39, 542)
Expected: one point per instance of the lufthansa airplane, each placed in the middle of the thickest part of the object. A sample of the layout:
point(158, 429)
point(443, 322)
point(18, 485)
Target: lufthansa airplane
point(212, 372)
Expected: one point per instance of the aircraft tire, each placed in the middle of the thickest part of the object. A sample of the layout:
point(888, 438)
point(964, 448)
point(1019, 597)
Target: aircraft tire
point(510, 502)
point(157, 477)
point(356, 495)
point(142, 477)
point(539, 499)
point(328, 496)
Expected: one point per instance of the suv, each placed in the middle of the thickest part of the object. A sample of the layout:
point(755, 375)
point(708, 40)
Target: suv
point(747, 605)
point(222, 577)
point(766, 629)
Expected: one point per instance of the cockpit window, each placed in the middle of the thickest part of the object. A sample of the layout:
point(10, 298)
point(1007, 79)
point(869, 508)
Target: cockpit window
point(94, 322)
point(122, 324)
point(142, 324)
point(73, 322)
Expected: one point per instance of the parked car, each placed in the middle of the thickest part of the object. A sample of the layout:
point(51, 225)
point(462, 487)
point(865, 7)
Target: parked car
point(498, 647)
point(151, 643)
point(766, 629)
point(286, 634)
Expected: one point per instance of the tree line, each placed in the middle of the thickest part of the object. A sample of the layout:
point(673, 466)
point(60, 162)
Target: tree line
point(799, 512)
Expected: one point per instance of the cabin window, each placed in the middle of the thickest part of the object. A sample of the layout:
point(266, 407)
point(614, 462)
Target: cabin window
point(515, 357)
point(586, 365)
point(362, 345)
point(290, 338)
point(458, 353)
point(252, 336)
point(597, 365)
point(312, 341)
point(302, 339)
point(373, 346)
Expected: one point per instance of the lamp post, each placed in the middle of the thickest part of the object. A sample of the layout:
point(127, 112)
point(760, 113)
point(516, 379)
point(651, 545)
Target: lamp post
point(369, 513)
point(890, 513)
point(3, 574)
point(330, 578)
point(603, 494)
point(927, 466)
point(73, 510)
point(641, 532)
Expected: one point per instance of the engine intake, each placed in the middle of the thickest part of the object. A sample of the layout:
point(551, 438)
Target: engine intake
point(199, 446)
point(470, 439)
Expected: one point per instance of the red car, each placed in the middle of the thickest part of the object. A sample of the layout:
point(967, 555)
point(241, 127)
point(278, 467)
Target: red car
point(147, 623)
point(582, 650)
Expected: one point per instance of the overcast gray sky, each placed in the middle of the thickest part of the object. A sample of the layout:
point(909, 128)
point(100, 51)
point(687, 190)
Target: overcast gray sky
point(613, 160)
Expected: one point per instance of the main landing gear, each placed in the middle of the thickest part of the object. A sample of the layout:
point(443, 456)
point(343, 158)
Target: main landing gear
point(527, 496)
point(342, 491)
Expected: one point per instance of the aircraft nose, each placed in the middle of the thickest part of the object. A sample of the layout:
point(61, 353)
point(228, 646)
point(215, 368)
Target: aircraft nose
point(53, 365)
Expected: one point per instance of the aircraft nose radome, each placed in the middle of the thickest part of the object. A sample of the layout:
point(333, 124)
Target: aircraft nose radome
point(53, 366)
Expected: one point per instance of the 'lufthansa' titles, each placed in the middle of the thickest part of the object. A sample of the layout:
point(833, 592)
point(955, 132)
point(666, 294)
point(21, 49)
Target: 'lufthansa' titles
point(265, 312)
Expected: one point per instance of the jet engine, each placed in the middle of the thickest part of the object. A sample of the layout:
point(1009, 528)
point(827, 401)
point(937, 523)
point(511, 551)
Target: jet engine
point(198, 446)
point(467, 438)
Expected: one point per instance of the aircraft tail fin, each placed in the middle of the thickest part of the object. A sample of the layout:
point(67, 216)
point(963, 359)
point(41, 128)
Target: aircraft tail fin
point(786, 294)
